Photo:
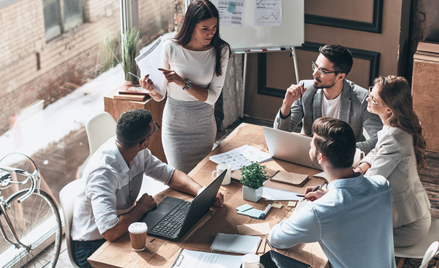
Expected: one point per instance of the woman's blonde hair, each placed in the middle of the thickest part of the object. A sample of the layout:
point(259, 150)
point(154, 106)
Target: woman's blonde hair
point(396, 95)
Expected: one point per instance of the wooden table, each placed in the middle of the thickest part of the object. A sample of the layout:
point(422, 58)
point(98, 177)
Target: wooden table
point(162, 253)
point(116, 107)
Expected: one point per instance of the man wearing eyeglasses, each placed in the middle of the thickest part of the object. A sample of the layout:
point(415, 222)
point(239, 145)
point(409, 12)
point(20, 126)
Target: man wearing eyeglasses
point(330, 95)
point(113, 177)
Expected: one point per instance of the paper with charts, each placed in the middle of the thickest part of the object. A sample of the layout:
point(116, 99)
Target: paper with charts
point(241, 156)
point(268, 12)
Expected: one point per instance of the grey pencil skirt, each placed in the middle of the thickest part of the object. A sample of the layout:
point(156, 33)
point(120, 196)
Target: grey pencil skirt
point(188, 132)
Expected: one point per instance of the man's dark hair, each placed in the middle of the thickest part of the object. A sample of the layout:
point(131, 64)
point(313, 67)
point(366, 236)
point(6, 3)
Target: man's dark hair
point(336, 140)
point(339, 56)
point(133, 126)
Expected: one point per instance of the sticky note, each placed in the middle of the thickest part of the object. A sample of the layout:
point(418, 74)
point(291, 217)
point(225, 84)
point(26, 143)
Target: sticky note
point(231, 7)
point(292, 203)
point(276, 205)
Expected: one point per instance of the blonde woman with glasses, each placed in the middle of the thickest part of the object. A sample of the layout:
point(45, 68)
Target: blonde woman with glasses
point(398, 154)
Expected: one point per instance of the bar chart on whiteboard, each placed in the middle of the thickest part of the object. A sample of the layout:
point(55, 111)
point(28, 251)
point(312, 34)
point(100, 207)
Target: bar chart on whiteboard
point(268, 13)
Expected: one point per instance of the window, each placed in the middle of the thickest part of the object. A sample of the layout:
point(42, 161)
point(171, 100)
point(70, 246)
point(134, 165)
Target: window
point(61, 16)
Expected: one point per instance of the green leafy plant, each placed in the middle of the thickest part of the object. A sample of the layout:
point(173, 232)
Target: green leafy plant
point(128, 52)
point(126, 55)
point(253, 175)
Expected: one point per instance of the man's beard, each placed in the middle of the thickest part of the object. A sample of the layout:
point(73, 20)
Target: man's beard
point(315, 162)
point(321, 86)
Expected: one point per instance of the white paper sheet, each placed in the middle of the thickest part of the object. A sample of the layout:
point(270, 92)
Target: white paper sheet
point(231, 13)
point(149, 62)
point(280, 195)
point(199, 259)
point(268, 12)
point(241, 156)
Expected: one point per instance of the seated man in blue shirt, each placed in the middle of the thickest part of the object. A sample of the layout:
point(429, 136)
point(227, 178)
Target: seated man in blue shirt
point(330, 94)
point(113, 177)
point(352, 221)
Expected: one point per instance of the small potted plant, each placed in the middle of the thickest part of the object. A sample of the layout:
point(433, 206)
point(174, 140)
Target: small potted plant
point(124, 51)
point(253, 177)
point(129, 49)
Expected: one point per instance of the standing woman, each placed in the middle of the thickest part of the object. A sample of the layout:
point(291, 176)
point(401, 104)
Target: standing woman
point(195, 63)
point(400, 150)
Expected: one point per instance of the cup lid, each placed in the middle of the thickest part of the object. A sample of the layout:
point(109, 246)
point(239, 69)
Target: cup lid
point(137, 228)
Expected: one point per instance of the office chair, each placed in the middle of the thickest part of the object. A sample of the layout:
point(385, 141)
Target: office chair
point(99, 129)
point(67, 196)
point(422, 248)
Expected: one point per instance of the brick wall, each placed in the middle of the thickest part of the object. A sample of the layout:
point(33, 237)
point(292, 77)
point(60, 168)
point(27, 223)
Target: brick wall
point(33, 69)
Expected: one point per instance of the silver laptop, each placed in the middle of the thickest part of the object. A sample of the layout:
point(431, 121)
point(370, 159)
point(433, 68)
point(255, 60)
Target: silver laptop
point(288, 146)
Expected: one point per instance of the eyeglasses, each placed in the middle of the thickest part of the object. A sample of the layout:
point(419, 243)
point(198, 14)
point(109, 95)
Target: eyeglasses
point(155, 131)
point(370, 98)
point(322, 71)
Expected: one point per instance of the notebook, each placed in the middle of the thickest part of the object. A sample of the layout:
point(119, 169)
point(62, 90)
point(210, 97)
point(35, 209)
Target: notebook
point(235, 243)
point(288, 146)
point(173, 217)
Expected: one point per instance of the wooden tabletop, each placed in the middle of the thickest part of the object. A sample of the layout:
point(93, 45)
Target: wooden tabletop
point(162, 253)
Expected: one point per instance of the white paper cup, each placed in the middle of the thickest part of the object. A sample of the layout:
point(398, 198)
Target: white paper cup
point(219, 169)
point(357, 157)
point(138, 231)
point(251, 260)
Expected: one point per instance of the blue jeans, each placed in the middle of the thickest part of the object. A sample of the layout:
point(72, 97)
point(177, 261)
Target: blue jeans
point(84, 249)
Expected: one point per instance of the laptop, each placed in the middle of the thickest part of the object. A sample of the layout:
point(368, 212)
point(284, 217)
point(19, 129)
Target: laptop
point(288, 146)
point(173, 217)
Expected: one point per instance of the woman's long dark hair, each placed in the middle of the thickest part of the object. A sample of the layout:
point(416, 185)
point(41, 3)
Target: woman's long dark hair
point(196, 12)
point(395, 93)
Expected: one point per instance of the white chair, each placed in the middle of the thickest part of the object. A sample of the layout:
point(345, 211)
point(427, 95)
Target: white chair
point(67, 196)
point(99, 129)
point(420, 250)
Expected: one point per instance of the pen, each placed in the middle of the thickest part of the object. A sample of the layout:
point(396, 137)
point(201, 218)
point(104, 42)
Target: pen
point(313, 190)
point(265, 212)
point(134, 75)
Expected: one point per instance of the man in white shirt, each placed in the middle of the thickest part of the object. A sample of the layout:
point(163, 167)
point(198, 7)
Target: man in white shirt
point(352, 221)
point(113, 177)
point(330, 95)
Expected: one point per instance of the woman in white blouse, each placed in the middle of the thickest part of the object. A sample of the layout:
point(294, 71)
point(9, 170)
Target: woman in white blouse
point(195, 63)
point(399, 152)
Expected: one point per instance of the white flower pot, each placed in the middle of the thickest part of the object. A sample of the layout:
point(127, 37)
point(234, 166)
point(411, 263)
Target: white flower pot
point(251, 194)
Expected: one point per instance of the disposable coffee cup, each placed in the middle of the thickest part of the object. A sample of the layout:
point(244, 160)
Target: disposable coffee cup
point(251, 260)
point(219, 169)
point(357, 157)
point(138, 232)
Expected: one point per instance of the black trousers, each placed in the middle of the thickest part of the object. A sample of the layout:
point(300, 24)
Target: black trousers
point(84, 249)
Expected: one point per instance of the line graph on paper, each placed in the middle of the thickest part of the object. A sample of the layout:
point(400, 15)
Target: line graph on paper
point(268, 12)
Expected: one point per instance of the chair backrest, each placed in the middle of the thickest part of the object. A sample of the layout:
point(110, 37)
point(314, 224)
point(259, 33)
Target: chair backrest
point(99, 129)
point(429, 254)
point(67, 196)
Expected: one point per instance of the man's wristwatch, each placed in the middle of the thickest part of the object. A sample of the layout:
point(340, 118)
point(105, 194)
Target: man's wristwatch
point(188, 84)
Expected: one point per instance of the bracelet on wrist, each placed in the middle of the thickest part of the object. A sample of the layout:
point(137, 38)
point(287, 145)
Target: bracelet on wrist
point(362, 171)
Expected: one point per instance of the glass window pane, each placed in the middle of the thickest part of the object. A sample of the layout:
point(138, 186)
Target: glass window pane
point(51, 18)
point(73, 13)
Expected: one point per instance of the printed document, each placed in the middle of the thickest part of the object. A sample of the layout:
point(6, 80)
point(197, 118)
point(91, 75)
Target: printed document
point(268, 12)
point(149, 62)
point(241, 156)
point(231, 13)
point(199, 259)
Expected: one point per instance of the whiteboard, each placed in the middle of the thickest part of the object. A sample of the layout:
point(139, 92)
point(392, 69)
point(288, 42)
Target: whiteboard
point(289, 34)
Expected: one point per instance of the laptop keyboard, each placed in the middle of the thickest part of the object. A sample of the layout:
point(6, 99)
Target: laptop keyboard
point(172, 222)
